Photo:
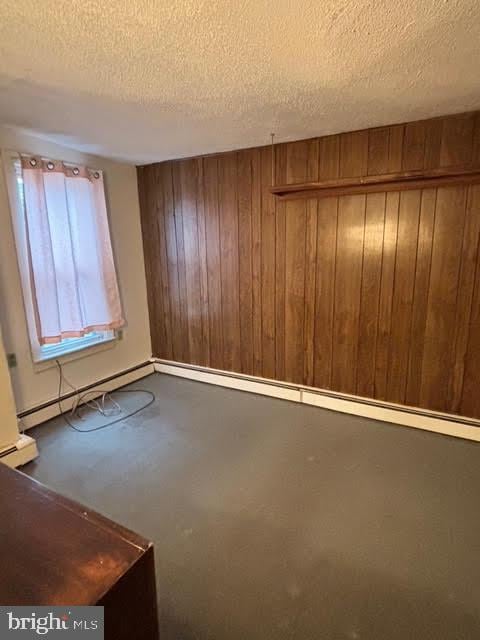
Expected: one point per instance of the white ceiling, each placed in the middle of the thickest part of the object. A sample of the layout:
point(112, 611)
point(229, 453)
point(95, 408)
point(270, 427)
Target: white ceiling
point(144, 81)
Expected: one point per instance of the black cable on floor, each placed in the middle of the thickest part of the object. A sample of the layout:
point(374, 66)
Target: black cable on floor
point(61, 378)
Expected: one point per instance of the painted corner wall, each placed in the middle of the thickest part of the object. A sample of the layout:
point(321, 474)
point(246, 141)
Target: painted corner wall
point(35, 384)
point(8, 418)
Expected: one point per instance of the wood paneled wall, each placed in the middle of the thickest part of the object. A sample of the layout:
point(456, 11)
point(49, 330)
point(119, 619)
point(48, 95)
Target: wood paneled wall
point(376, 295)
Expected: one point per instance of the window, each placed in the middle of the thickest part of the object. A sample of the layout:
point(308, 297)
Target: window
point(64, 254)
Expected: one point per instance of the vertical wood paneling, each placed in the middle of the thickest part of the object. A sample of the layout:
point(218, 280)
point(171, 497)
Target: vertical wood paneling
point(420, 296)
point(181, 266)
point(457, 140)
point(176, 308)
point(202, 254)
point(295, 225)
point(389, 256)
point(227, 195)
point(403, 289)
point(438, 351)
point(370, 293)
point(310, 268)
point(257, 262)
point(280, 266)
point(244, 179)
point(212, 232)
point(413, 146)
point(188, 179)
point(353, 154)
point(309, 293)
point(348, 279)
point(327, 216)
point(470, 397)
point(378, 151)
point(268, 265)
point(373, 295)
point(462, 322)
point(145, 186)
point(164, 293)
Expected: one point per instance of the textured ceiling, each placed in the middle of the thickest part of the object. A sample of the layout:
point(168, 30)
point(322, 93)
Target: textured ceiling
point(144, 81)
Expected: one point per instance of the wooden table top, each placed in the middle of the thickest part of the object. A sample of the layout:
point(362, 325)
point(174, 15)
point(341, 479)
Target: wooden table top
point(53, 550)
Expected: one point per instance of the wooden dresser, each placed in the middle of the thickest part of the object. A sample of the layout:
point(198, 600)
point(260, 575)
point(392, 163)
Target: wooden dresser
point(54, 551)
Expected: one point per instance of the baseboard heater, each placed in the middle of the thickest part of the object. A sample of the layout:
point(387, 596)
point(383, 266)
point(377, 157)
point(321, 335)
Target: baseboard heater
point(445, 424)
point(49, 409)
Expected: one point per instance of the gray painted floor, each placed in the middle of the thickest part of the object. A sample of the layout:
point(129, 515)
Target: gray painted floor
point(275, 520)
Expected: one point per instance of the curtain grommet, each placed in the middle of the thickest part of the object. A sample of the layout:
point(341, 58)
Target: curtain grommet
point(96, 175)
point(50, 166)
point(75, 171)
point(33, 162)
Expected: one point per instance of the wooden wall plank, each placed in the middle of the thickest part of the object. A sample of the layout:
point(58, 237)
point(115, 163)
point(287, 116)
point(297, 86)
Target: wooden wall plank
point(145, 186)
point(310, 268)
point(202, 251)
point(396, 136)
point(257, 262)
point(470, 399)
point(329, 157)
point(180, 257)
point(310, 289)
point(403, 290)
point(353, 154)
point(228, 215)
point(378, 151)
point(438, 352)
point(420, 295)
point(457, 140)
point(268, 265)
point(295, 225)
point(280, 244)
point(164, 290)
point(462, 324)
point(188, 185)
point(389, 256)
point(244, 178)
point(413, 146)
point(348, 274)
point(376, 295)
point(370, 293)
point(212, 230)
point(327, 216)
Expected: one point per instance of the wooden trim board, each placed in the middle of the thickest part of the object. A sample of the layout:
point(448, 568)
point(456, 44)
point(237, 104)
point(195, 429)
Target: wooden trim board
point(400, 181)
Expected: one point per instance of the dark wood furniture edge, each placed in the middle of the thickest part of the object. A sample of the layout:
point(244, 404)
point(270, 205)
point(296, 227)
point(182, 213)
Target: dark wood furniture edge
point(130, 537)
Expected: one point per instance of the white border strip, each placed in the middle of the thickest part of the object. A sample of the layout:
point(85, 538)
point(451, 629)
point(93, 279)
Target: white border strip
point(344, 404)
point(225, 380)
point(46, 413)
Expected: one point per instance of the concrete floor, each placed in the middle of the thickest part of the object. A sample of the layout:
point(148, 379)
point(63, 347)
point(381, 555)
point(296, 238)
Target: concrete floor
point(273, 520)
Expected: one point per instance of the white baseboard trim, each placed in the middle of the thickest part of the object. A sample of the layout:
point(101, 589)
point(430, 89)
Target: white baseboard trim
point(444, 424)
point(44, 413)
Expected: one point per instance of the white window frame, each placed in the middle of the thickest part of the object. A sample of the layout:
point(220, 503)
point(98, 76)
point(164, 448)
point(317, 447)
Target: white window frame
point(40, 353)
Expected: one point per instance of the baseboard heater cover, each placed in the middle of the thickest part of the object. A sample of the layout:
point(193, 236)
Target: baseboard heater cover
point(20, 452)
point(445, 424)
point(47, 410)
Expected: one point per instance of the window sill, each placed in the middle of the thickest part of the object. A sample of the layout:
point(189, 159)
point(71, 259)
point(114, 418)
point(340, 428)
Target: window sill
point(82, 352)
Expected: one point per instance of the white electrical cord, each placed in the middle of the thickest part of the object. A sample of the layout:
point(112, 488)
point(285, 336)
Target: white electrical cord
point(96, 405)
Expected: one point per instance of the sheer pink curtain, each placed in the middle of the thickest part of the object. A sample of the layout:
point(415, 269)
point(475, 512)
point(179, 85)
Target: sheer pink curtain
point(75, 289)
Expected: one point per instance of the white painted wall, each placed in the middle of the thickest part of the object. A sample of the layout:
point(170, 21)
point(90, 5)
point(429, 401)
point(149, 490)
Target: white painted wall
point(8, 418)
point(34, 384)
